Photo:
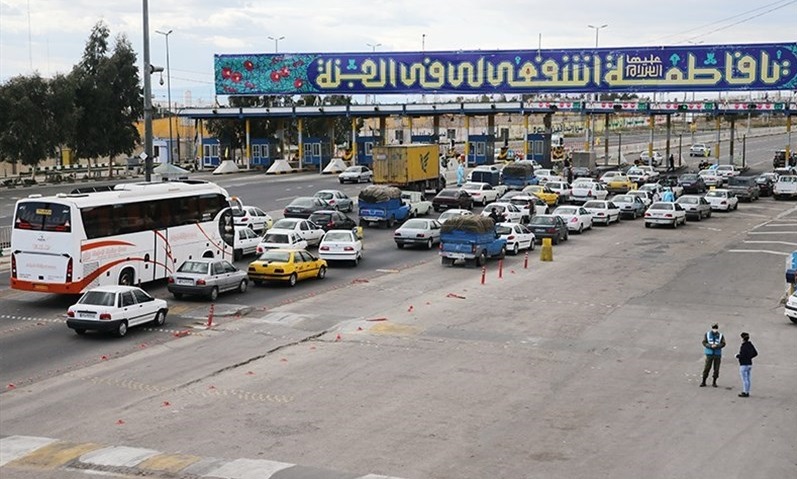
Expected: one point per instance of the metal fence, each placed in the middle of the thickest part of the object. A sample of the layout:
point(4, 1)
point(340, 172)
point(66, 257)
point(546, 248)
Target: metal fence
point(5, 237)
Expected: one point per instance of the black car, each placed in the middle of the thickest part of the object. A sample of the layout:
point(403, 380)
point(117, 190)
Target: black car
point(692, 183)
point(304, 206)
point(452, 198)
point(745, 187)
point(332, 220)
point(581, 172)
point(765, 182)
point(549, 226)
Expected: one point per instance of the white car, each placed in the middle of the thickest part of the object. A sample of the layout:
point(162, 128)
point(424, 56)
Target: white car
point(252, 217)
point(665, 213)
point(306, 229)
point(607, 177)
point(245, 242)
point(419, 205)
point(482, 193)
point(545, 174)
point(695, 206)
point(642, 195)
point(561, 188)
point(711, 177)
point(445, 215)
point(575, 217)
point(486, 168)
point(727, 171)
point(517, 237)
point(722, 199)
point(785, 187)
point(114, 309)
point(642, 174)
point(277, 238)
point(699, 149)
point(526, 202)
point(654, 189)
point(341, 245)
point(791, 308)
point(603, 211)
point(630, 205)
point(585, 190)
point(418, 232)
point(336, 199)
point(356, 174)
point(509, 212)
point(655, 160)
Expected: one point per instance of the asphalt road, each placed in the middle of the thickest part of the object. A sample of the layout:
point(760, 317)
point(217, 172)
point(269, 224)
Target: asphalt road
point(584, 367)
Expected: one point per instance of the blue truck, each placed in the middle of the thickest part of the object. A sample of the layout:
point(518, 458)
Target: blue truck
point(471, 239)
point(382, 205)
point(518, 175)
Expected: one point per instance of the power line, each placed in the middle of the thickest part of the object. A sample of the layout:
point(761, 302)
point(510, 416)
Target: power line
point(744, 20)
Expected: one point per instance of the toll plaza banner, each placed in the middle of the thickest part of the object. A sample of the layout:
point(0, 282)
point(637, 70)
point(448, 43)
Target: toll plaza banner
point(638, 69)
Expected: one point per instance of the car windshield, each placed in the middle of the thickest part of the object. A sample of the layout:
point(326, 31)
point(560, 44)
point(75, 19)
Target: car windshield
point(196, 267)
point(688, 200)
point(275, 238)
point(582, 184)
point(302, 202)
point(324, 195)
point(623, 199)
point(595, 204)
point(98, 298)
point(472, 186)
point(341, 236)
point(661, 206)
point(565, 211)
point(688, 177)
point(320, 217)
point(352, 169)
point(503, 230)
point(416, 224)
point(543, 220)
point(238, 213)
point(447, 194)
point(715, 194)
point(450, 213)
point(285, 224)
point(276, 256)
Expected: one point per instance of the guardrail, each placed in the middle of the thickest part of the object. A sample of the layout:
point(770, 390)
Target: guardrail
point(5, 237)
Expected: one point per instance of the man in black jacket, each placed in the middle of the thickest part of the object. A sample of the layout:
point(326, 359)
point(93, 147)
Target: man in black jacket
point(745, 356)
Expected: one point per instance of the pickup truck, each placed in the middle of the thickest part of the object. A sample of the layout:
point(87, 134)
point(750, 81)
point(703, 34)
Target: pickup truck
point(382, 205)
point(519, 175)
point(471, 239)
point(745, 187)
point(419, 205)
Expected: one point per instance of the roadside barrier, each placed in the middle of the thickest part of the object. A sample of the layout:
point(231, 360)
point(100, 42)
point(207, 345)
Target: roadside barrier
point(546, 252)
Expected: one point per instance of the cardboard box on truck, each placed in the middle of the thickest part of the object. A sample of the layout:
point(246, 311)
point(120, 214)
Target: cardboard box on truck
point(403, 165)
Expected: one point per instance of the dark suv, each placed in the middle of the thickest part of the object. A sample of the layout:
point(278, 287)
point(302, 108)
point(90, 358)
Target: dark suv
point(692, 183)
point(745, 187)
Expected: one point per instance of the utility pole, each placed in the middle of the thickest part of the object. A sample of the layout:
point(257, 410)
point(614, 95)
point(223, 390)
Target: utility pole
point(168, 94)
point(147, 97)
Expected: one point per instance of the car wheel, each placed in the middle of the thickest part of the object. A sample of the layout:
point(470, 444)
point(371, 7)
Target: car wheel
point(400, 245)
point(647, 225)
point(258, 282)
point(160, 318)
point(293, 279)
point(121, 329)
point(322, 273)
point(532, 244)
point(243, 285)
point(580, 228)
point(429, 243)
point(80, 332)
point(502, 253)
point(237, 254)
point(214, 293)
point(355, 261)
point(556, 239)
point(481, 260)
point(675, 223)
point(177, 295)
point(446, 261)
point(515, 249)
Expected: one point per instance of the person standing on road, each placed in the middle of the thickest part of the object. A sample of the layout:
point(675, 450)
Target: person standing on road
point(745, 356)
point(460, 173)
point(668, 195)
point(671, 160)
point(713, 342)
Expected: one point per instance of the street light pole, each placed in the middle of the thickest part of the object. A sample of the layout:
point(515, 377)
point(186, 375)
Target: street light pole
point(169, 94)
point(373, 50)
point(595, 95)
point(147, 97)
point(276, 43)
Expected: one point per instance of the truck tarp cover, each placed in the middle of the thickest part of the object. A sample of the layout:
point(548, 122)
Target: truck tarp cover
point(379, 193)
point(471, 223)
point(518, 169)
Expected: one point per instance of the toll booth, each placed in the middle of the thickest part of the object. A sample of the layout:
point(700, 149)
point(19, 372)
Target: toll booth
point(539, 147)
point(317, 152)
point(365, 145)
point(264, 151)
point(430, 139)
point(481, 150)
point(211, 152)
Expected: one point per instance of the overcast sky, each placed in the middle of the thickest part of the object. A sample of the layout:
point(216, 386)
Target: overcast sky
point(48, 36)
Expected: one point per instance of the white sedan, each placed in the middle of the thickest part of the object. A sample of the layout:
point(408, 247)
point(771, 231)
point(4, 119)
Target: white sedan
point(114, 309)
point(416, 232)
point(277, 238)
point(517, 237)
point(665, 213)
point(482, 193)
point(341, 245)
point(306, 229)
point(245, 242)
point(508, 211)
point(642, 195)
point(585, 190)
point(252, 217)
point(336, 199)
point(722, 199)
point(561, 188)
point(603, 211)
point(445, 215)
point(711, 177)
point(727, 171)
point(356, 174)
point(575, 217)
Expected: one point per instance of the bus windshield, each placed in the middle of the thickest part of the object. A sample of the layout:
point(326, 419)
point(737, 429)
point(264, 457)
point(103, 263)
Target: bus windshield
point(42, 216)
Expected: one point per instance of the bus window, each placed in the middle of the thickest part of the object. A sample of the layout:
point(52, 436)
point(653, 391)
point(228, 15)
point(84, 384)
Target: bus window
point(41, 216)
point(97, 221)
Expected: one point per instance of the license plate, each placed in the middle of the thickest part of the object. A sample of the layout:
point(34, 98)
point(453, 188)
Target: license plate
point(87, 315)
point(371, 218)
point(456, 256)
point(185, 281)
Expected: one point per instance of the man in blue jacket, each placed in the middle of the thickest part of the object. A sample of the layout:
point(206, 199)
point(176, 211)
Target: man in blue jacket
point(713, 342)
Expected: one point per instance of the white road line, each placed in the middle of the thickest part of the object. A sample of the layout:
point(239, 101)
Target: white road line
point(754, 215)
point(781, 224)
point(787, 243)
point(772, 232)
point(285, 198)
point(777, 253)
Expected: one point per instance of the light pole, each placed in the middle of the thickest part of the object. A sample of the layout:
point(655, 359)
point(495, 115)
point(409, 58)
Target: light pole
point(373, 50)
point(276, 43)
point(595, 95)
point(168, 93)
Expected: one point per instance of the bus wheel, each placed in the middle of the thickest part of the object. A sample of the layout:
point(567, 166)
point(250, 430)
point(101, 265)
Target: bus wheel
point(127, 277)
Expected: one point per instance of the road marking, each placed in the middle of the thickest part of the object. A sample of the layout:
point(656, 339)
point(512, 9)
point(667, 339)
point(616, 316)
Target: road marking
point(56, 455)
point(14, 447)
point(787, 243)
point(772, 232)
point(285, 198)
point(172, 463)
point(754, 215)
point(778, 253)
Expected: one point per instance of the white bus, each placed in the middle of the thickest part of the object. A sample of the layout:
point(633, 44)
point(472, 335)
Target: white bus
point(132, 234)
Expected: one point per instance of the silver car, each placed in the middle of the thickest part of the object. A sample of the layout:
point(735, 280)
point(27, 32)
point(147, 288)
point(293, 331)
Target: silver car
point(418, 231)
point(207, 277)
point(356, 174)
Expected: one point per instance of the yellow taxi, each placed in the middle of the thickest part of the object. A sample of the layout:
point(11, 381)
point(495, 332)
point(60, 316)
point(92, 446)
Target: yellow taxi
point(620, 184)
point(286, 265)
point(549, 196)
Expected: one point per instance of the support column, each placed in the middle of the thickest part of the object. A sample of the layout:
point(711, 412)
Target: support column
point(667, 144)
point(652, 121)
point(408, 138)
point(330, 142)
point(200, 148)
point(525, 136)
point(467, 137)
point(731, 145)
point(547, 124)
point(248, 149)
point(281, 140)
point(353, 144)
point(606, 140)
point(300, 127)
point(719, 139)
point(383, 130)
point(788, 138)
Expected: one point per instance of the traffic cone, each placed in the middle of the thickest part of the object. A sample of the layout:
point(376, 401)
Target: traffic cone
point(410, 309)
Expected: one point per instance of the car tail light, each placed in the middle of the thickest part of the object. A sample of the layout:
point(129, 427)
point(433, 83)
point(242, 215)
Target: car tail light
point(105, 316)
point(70, 313)
point(348, 248)
point(723, 202)
point(200, 282)
point(324, 248)
point(244, 219)
point(279, 270)
point(551, 230)
point(69, 271)
point(589, 193)
point(510, 237)
point(259, 249)
point(420, 235)
point(170, 279)
point(285, 211)
point(330, 225)
point(668, 215)
point(396, 233)
point(647, 215)
point(13, 265)
point(574, 220)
